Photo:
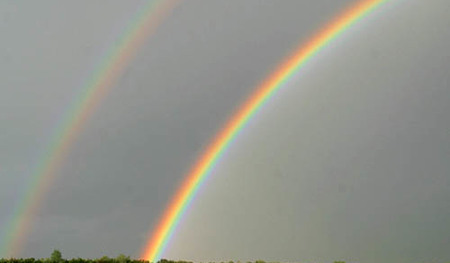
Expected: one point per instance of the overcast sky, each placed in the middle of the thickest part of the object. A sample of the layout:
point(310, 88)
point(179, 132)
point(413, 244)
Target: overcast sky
point(349, 161)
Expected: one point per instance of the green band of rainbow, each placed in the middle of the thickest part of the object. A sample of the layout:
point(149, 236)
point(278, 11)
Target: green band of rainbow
point(143, 24)
point(160, 237)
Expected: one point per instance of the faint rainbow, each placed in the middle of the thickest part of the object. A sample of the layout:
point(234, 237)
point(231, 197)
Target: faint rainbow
point(117, 57)
point(161, 235)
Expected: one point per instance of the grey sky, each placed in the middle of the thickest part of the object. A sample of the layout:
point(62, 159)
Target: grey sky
point(349, 161)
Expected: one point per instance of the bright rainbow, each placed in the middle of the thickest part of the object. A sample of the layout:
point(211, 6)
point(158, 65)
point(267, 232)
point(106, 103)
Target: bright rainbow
point(180, 202)
point(115, 60)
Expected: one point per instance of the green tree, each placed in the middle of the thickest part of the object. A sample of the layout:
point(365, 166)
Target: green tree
point(56, 256)
point(123, 259)
point(104, 259)
point(163, 260)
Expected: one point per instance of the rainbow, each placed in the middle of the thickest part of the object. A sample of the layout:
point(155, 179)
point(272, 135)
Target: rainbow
point(164, 230)
point(143, 24)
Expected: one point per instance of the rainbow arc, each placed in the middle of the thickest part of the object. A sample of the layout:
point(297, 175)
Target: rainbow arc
point(164, 230)
point(113, 63)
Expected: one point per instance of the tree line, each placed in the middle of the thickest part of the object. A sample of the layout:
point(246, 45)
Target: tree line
point(56, 257)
